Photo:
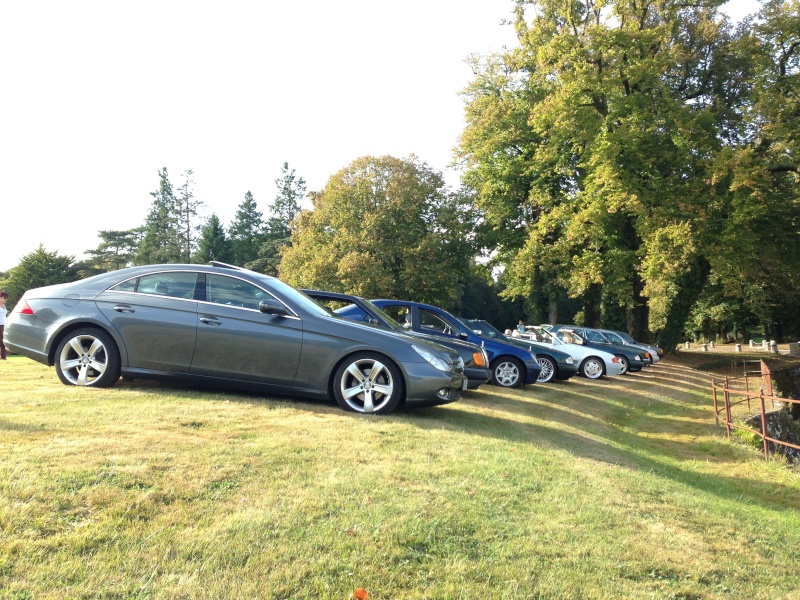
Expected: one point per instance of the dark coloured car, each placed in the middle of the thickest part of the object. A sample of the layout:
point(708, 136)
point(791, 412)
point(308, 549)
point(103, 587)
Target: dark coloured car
point(632, 359)
point(511, 365)
point(476, 361)
point(620, 337)
point(554, 363)
point(226, 327)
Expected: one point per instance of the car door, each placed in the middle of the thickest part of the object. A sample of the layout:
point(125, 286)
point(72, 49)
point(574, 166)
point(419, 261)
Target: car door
point(156, 317)
point(235, 340)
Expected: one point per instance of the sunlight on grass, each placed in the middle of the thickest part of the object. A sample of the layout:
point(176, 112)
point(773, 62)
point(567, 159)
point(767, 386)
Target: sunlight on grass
point(614, 488)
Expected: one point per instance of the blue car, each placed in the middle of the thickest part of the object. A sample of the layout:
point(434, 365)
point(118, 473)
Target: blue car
point(511, 366)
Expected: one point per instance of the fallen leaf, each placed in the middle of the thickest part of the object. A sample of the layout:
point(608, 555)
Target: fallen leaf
point(359, 594)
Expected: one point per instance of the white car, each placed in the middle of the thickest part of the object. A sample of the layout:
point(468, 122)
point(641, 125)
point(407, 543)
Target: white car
point(593, 363)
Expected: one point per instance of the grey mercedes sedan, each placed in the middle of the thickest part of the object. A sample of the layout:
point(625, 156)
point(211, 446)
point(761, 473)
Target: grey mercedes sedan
point(225, 326)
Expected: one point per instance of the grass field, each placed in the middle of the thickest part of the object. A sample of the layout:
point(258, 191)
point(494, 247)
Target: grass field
point(619, 488)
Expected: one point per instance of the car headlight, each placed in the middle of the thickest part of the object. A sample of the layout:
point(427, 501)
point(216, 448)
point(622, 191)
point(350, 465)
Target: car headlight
point(569, 360)
point(434, 361)
point(637, 357)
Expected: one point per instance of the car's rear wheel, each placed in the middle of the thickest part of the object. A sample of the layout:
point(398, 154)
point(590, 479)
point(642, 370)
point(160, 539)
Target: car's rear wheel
point(548, 369)
point(507, 372)
point(88, 357)
point(592, 368)
point(368, 383)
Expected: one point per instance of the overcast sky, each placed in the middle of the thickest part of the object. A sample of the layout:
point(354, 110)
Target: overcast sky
point(97, 96)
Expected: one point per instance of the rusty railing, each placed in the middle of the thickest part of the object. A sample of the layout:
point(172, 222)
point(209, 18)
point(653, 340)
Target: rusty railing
point(736, 391)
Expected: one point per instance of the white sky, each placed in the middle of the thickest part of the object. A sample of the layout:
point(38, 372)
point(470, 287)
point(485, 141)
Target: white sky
point(97, 96)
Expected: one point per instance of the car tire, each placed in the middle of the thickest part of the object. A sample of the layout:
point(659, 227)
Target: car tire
point(549, 371)
point(592, 368)
point(507, 372)
point(369, 383)
point(88, 357)
point(626, 365)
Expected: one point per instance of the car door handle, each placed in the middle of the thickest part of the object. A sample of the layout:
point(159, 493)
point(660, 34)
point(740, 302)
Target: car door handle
point(124, 308)
point(210, 321)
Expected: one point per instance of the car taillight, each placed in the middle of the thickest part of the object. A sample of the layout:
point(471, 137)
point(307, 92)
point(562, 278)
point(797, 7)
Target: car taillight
point(478, 358)
point(647, 355)
point(615, 359)
point(23, 308)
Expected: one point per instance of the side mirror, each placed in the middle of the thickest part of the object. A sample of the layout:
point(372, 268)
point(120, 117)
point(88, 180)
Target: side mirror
point(273, 307)
point(463, 335)
point(372, 320)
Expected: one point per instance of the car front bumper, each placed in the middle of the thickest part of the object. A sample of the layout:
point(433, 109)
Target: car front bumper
point(427, 386)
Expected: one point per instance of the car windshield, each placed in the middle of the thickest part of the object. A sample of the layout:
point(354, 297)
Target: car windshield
point(299, 298)
point(483, 328)
point(626, 337)
point(617, 339)
point(569, 336)
point(542, 335)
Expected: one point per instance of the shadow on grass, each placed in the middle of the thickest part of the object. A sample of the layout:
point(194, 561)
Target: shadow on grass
point(599, 421)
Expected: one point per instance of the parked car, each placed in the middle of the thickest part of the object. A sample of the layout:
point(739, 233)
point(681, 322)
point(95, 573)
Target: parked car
point(476, 361)
point(225, 326)
point(651, 352)
point(632, 360)
point(511, 365)
point(555, 364)
point(593, 363)
point(656, 351)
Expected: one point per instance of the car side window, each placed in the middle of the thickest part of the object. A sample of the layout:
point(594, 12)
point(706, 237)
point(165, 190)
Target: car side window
point(432, 322)
point(614, 338)
point(399, 313)
point(178, 284)
point(595, 336)
point(233, 292)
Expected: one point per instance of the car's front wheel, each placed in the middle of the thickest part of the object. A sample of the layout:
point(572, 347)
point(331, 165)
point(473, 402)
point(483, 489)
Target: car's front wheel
point(368, 383)
point(507, 372)
point(548, 369)
point(626, 365)
point(88, 357)
point(592, 368)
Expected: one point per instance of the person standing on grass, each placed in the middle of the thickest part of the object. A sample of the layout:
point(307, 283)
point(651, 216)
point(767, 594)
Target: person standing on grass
point(3, 313)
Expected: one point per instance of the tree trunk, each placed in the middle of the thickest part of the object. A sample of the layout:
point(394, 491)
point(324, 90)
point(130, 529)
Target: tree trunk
point(690, 285)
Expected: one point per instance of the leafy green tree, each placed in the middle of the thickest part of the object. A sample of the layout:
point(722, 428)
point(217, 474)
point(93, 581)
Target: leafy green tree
point(117, 249)
point(246, 232)
point(382, 226)
point(291, 190)
point(38, 269)
point(591, 147)
point(162, 241)
point(214, 243)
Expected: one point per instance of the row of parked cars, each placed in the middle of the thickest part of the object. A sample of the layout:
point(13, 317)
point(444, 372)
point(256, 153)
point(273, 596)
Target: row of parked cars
point(224, 326)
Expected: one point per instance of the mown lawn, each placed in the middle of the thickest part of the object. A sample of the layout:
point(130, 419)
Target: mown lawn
point(609, 489)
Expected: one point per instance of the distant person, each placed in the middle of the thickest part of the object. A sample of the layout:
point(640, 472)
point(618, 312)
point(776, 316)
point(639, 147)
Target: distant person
point(521, 326)
point(3, 313)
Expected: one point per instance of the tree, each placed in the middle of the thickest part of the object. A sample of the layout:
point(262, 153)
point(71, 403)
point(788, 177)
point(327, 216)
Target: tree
point(285, 207)
point(117, 249)
point(382, 227)
point(38, 269)
point(246, 232)
point(213, 243)
point(187, 208)
point(591, 147)
point(162, 240)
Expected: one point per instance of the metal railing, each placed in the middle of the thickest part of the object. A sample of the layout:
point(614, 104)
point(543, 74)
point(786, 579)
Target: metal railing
point(736, 392)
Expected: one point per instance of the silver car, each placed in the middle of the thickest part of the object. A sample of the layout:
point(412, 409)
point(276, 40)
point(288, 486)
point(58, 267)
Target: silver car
point(224, 326)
